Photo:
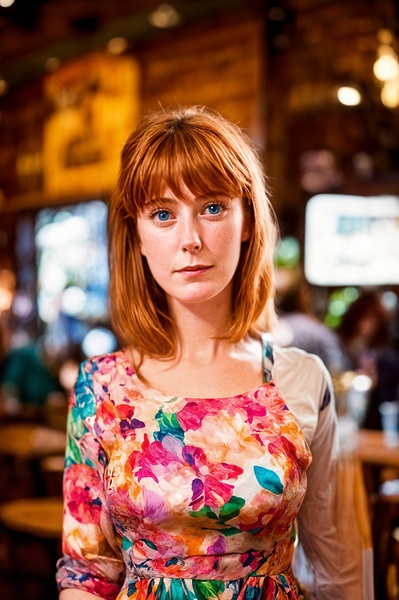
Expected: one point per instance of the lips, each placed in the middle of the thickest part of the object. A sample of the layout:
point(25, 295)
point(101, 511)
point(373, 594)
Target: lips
point(193, 268)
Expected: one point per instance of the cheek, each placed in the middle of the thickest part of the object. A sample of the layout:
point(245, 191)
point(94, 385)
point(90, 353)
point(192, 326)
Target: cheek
point(156, 249)
point(237, 233)
point(148, 242)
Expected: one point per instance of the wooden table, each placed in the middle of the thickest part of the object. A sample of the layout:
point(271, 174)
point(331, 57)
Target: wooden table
point(29, 440)
point(376, 456)
point(371, 448)
point(41, 517)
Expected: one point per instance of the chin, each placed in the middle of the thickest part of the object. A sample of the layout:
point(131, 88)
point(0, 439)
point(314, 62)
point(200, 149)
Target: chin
point(200, 296)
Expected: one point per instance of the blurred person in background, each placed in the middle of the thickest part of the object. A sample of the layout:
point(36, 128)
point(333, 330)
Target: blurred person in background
point(367, 334)
point(28, 379)
point(298, 325)
point(193, 452)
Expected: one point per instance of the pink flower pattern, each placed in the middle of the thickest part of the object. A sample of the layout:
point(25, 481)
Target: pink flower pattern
point(179, 497)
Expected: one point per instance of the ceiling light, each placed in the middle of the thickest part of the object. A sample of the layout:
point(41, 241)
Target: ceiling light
point(117, 45)
point(390, 93)
point(349, 95)
point(164, 16)
point(385, 36)
point(386, 67)
point(6, 3)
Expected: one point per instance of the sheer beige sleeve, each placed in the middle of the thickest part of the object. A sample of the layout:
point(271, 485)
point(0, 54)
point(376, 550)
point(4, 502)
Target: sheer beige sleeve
point(330, 536)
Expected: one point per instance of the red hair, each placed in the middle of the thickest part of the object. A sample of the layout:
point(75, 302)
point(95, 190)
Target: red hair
point(199, 149)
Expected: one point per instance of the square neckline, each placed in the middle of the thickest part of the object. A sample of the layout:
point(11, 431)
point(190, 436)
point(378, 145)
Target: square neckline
point(267, 366)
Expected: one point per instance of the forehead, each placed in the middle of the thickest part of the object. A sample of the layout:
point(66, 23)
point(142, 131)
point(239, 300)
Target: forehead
point(181, 192)
point(184, 194)
point(185, 168)
point(190, 187)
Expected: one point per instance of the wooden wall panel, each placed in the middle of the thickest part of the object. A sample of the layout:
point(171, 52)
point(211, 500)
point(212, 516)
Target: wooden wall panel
point(219, 64)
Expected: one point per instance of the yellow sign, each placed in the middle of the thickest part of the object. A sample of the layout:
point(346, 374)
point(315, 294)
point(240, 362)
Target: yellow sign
point(95, 102)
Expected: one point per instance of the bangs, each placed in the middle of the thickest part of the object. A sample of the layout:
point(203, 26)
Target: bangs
point(185, 157)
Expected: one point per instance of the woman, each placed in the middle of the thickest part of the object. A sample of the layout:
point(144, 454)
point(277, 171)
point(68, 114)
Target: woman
point(188, 454)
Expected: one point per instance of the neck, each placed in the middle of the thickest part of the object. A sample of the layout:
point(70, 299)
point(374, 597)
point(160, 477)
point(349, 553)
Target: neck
point(203, 355)
point(201, 328)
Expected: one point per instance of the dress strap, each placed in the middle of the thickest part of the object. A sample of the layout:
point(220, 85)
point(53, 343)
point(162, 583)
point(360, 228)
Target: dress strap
point(268, 358)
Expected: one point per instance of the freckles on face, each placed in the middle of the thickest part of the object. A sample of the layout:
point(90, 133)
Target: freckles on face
point(192, 246)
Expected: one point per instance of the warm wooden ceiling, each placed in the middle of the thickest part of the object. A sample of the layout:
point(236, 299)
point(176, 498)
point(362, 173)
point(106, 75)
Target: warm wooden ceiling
point(33, 30)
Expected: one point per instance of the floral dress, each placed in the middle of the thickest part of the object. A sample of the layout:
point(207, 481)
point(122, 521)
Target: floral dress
point(179, 498)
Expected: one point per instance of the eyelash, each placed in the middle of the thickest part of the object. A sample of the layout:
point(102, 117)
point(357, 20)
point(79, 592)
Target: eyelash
point(156, 211)
point(224, 207)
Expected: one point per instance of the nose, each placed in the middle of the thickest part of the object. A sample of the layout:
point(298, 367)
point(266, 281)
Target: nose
point(190, 238)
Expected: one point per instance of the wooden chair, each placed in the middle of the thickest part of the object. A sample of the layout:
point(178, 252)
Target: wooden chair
point(31, 531)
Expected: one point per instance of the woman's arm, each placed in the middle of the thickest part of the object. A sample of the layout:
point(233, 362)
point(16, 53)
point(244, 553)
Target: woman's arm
point(317, 517)
point(91, 562)
point(336, 574)
point(306, 386)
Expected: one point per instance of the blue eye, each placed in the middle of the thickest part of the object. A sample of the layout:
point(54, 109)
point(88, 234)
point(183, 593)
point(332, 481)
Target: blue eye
point(163, 215)
point(214, 209)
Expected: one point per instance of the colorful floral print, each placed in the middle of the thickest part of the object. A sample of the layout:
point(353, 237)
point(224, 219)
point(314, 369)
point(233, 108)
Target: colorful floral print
point(172, 498)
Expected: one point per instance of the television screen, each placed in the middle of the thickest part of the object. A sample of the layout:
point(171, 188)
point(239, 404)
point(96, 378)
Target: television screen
point(352, 240)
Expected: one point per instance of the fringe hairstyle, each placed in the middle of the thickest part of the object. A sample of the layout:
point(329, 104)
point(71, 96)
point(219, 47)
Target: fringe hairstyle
point(197, 148)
